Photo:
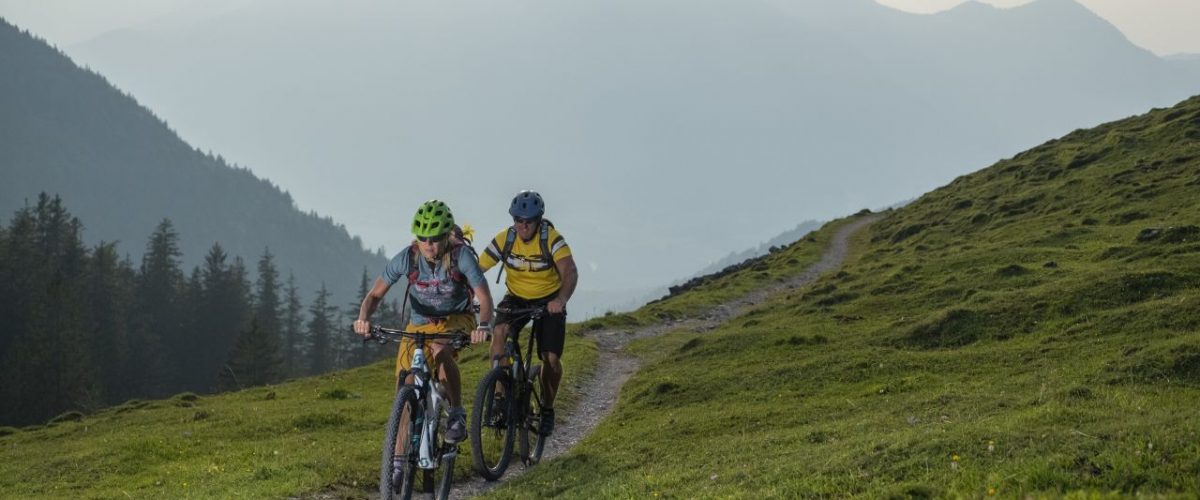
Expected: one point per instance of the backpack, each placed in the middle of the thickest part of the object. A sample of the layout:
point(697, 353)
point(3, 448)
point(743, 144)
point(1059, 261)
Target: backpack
point(543, 243)
point(457, 242)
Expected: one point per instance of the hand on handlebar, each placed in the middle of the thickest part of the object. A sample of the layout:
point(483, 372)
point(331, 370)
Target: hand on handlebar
point(362, 328)
point(556, 306)
point(481, 334)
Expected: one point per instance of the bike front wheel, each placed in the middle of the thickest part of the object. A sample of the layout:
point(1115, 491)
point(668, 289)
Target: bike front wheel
point(532, 440)
point(401, 427)
point(492, 421)
point(443, 486)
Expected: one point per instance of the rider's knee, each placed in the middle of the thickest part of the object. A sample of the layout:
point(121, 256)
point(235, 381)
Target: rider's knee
point(444, 354)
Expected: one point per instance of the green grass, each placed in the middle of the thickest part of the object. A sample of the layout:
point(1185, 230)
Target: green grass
point(308, 435)
point(1030, 329)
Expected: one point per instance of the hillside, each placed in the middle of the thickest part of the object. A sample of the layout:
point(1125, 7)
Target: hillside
point(1031, 328)
point(64, 130)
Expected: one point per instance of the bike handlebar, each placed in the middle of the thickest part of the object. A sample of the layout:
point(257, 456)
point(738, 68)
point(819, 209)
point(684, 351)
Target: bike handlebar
point(458, 339)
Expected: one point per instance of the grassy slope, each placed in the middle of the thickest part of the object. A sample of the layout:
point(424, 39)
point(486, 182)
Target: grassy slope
point(947, 358)
point(1005, 334)
point(302, 436)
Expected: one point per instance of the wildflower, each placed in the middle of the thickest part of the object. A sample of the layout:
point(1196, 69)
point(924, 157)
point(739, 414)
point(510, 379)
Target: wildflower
point(991, 446)
point(991, 491)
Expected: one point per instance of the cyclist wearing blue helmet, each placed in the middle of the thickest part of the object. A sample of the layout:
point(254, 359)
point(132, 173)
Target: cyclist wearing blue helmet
point(541, 273)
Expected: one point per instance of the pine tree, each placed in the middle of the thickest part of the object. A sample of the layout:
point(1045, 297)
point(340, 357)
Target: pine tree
point(46, 365)
point(320, 333)
point(292, 329)
point(158, 337)
point(358, 354)
point(251, 361)
point(255, 359)
point(110, 297)
point(222, 313)
point(266, 307)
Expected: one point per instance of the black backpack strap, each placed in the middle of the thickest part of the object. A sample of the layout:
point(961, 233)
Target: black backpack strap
point(544, 242)
point(413, 272)
point(509, 239)
point(457, 276)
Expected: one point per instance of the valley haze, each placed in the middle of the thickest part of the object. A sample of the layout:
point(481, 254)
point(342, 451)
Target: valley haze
point(664, 135)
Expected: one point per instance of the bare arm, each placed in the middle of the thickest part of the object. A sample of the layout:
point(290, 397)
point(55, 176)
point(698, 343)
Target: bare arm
point(570, 277)
point(484, 294)
point(369, 304)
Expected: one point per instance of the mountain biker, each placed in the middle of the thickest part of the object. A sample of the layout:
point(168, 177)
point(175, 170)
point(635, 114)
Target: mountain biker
point(541, 272)
point(439, 287)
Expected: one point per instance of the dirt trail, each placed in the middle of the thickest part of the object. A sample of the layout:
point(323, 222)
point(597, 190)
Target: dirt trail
point(614, 366)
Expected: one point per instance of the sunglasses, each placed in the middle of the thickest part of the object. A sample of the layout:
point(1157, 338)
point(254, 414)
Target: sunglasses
point(433, 239)
point(522, 220)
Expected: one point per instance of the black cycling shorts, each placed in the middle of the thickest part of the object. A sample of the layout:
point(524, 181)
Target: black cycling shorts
point(551, 328)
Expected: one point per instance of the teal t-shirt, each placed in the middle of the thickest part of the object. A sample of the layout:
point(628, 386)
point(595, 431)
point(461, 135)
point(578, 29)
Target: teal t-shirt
point(434, 294)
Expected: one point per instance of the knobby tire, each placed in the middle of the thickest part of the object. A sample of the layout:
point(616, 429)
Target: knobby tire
point(406, 398)
point(492, 444)
point(531, 424)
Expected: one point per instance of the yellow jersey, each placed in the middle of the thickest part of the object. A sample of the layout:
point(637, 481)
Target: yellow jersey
point(530, 275)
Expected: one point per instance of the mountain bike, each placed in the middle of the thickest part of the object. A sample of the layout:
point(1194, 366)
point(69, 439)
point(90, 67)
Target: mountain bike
point(419, 413)
point(507, 402)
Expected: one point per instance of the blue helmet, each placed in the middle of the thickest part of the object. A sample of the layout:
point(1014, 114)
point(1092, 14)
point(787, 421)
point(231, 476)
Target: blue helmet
point(527, 205)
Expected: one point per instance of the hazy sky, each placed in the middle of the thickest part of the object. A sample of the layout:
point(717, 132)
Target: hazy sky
point(1161, 26)
point(608, 129)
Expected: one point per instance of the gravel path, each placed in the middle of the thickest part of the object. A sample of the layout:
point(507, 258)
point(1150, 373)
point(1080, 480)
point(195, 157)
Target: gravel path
point(614, 366)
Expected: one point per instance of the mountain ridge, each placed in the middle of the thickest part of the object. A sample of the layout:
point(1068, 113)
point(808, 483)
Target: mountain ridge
point(67, 131)
point(605, 94)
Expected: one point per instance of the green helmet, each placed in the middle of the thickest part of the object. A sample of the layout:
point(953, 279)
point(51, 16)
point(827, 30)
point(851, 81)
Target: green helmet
point(432, 219)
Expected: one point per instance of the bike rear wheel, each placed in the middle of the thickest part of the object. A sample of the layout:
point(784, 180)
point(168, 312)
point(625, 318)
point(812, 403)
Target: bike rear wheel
point(401, 426)
point(530, 437)
point(492, 424)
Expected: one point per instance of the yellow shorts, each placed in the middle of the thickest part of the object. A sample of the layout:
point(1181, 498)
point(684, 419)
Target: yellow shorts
point(458, 322)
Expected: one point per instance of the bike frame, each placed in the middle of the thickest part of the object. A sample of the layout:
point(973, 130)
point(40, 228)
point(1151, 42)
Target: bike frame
point(430, 397)
point(519, 369)
point(424, 384)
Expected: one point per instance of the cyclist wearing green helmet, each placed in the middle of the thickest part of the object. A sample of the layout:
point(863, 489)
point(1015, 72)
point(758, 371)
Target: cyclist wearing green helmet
point(442, 273)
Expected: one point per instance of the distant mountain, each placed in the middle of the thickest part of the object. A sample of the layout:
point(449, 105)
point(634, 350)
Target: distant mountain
point(784, 239)
point(66, 131)
point(1188, 63)
point(634, 117)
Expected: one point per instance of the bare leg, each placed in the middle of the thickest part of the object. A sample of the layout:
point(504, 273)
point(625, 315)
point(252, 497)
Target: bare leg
point(551, 375)
point(402, 435)
point(448, 373)
point(499, 335)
